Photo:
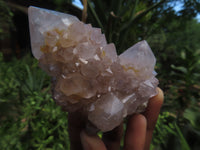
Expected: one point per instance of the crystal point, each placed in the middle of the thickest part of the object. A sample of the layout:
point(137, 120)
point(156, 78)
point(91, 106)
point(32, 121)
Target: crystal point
point(42, 20)
point(108, 111)
point(140, 59)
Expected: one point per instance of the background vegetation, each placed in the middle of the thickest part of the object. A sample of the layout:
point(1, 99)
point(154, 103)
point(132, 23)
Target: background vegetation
point(29, 118)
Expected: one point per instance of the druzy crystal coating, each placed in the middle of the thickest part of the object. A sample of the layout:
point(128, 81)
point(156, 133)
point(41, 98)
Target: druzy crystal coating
point(87, 74)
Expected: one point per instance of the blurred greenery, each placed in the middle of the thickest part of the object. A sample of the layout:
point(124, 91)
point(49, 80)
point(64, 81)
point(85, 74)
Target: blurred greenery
point(5, 20)
point(30, 119)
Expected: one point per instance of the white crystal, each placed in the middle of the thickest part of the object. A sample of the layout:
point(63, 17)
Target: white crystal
point(75, 84)
point(42, 20)
point(107, 113)
point(110, 52)
point(139, 59)
point(86, 50)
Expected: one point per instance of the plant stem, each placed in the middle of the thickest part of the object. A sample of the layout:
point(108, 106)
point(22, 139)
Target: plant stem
point(84, 13)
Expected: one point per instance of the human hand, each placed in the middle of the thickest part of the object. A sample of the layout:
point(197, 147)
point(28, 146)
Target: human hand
point(137, 137)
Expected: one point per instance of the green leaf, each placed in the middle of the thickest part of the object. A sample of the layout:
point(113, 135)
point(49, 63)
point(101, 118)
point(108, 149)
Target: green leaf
point(184, 144)
point(95, 15)
point(30, 77)
point(180, 68)
point(125, 7)
point(183, 55)
point(99, 6)
point(139, 15)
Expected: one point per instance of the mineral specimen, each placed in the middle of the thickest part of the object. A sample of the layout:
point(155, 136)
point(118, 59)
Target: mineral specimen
point(87, 73)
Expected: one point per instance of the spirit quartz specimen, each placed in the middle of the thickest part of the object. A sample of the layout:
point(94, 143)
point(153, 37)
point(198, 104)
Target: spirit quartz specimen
point(87, 73)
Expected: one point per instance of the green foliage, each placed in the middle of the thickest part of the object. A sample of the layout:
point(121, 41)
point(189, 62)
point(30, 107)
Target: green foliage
point(166, 128)
point(163, 129)
point(5, 20)
point(118, 19)
point(184, 144)
point(29, 118)
point(178, 68)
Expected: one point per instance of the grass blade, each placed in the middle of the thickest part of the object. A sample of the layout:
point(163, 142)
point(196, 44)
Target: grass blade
point(139, 15)
point(30, 78)
point(184, 144)
point(95, 15)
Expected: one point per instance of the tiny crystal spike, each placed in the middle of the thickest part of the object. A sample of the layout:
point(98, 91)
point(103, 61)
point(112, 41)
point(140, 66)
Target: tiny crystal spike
point(87, 74)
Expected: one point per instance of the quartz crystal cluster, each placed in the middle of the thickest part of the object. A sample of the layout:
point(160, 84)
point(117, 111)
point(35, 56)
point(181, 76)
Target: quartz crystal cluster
point(86, 71)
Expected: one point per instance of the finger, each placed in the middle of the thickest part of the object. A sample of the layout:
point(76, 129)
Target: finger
point(136, 132)
point(91, 142)
point(113, 138)
point(151, 114)
point(75, 126)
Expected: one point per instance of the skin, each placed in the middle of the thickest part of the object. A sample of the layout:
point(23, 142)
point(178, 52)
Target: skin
point(138, 134)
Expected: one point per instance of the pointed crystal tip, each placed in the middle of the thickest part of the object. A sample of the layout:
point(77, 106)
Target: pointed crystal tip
point(42, 20)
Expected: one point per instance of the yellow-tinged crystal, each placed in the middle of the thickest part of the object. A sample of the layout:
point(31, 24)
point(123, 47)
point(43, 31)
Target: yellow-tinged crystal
point(130, 68)
point(103, 53)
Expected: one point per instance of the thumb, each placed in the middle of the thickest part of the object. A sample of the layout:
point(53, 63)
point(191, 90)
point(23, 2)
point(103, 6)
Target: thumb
point(91, 142)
